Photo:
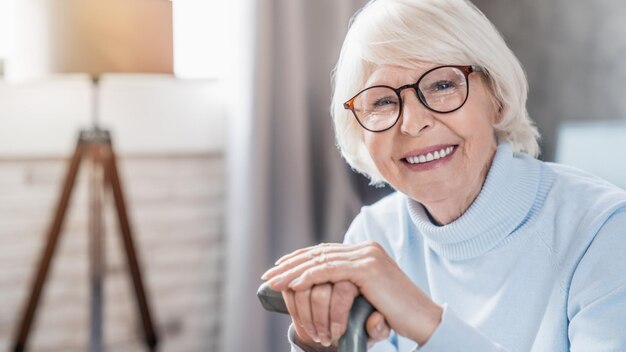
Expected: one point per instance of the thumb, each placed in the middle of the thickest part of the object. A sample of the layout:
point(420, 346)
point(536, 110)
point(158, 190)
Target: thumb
point(377, 328)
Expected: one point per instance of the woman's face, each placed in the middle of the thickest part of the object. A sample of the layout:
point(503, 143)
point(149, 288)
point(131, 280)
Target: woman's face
point(466, 136)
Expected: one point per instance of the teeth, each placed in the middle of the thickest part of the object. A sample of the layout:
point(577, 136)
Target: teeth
point(430, 156)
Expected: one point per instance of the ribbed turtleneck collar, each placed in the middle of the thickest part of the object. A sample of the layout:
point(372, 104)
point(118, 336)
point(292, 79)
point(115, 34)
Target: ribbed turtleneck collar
point(501, 206)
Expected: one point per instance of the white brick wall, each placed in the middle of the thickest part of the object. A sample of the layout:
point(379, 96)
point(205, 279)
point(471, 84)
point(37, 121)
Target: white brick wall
point(176, 208)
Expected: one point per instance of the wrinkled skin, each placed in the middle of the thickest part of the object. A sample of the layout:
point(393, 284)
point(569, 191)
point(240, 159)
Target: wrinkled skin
point(319, 283)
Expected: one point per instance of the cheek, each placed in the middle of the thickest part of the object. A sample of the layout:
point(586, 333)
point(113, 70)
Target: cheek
point(377, 145)
point(478, 147)
point(476, 131)
point(481, 148)
point(476, 123)
point(380, 148)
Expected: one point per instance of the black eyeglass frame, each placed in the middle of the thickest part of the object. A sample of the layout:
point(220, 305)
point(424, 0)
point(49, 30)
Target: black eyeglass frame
point(467, 70)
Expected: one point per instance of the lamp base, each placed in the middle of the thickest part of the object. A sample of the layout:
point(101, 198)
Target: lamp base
point(95, 144)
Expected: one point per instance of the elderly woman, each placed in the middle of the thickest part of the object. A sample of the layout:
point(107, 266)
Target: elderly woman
point(482, 247)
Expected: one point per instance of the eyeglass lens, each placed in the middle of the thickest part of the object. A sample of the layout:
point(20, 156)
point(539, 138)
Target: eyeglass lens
point(442, 90)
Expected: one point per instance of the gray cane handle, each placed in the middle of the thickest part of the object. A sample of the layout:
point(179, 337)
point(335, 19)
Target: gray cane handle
point(355, 338)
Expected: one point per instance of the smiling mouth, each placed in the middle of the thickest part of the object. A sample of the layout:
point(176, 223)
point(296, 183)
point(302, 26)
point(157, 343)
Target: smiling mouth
point(431, 156)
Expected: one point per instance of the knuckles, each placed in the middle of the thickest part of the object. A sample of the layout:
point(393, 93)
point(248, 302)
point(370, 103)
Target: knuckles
point(372, 254)
point(373, 248)
point(314, 253)
point(369, 267)
point(320, 294)
point(345, 289)
point(302, 297)
point(343, 296)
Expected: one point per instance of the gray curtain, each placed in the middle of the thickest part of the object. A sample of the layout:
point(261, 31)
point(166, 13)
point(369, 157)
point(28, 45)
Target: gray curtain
point(288, 186)
point(573, 53)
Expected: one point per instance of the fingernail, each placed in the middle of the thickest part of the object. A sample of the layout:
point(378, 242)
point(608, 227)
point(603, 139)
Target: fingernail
point(275, 281)
point(379, 328)
point(268, 273)
point(315, 338)
point(325, 341)
point(335, 329)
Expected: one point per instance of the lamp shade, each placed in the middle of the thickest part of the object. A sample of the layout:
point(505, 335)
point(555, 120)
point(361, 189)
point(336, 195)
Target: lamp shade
point(91, 36)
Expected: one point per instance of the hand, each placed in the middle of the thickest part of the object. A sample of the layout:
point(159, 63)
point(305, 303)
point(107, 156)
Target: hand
point(403, 305)
point(313, 310)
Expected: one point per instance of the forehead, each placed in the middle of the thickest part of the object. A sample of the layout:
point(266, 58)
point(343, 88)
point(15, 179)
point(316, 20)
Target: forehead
point(397, 75)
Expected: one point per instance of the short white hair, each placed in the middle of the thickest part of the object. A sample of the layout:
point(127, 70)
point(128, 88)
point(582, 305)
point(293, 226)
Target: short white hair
point(406, 32)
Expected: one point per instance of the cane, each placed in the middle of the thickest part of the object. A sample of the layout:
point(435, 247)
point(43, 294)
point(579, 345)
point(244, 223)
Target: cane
point(355, 338)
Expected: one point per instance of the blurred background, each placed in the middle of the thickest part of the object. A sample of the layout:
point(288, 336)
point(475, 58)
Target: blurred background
point(226, 152)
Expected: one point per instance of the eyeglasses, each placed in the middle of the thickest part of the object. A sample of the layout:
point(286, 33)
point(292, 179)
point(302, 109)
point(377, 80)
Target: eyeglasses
point(442, 89)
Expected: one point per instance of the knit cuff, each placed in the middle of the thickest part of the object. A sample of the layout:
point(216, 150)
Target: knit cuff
point(291, 335)
point(453, 334)
point(295, 347)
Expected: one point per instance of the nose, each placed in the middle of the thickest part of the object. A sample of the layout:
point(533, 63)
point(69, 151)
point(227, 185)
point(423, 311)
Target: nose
point(415, 118)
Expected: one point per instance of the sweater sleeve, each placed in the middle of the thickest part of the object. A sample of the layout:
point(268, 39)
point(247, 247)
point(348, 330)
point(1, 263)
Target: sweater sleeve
point(453, 334)
point(597, 293)
point(358, 231)
point(292, 341)
point(291, 336)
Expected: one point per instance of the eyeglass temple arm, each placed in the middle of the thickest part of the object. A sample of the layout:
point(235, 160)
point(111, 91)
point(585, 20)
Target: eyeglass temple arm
point(477, 68)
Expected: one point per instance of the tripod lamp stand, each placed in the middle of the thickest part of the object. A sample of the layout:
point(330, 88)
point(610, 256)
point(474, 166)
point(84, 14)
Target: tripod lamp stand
point(93, 37)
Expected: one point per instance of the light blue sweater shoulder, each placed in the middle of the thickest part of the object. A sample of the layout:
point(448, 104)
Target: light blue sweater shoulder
point(537, 263)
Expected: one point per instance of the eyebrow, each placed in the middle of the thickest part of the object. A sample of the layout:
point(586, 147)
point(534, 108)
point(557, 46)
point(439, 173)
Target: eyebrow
point(413, 80)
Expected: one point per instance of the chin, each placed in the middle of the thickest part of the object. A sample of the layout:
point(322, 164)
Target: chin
point(429, 194)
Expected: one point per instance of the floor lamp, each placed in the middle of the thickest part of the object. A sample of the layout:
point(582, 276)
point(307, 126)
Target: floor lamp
point(93, 37)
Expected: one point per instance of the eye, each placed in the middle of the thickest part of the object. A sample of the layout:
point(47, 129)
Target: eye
point(442, 85)
point(383, 102)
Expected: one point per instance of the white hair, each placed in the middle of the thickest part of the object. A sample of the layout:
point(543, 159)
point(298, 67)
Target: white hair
point(406, 32)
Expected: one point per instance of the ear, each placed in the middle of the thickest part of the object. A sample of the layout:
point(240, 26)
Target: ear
point(496, 105)
point(498, 110)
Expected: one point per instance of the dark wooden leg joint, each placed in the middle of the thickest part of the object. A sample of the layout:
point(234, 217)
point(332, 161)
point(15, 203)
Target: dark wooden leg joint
point(98, 143)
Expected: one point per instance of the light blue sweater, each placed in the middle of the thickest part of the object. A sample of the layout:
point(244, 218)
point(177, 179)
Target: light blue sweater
point(537, 263)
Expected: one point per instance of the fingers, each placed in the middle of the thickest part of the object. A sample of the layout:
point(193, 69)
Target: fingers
point(290, 302)
point(343, 295)
point(377, 328)
point(366, 260)
point(281, 281)
point(320, 258)
point(302, 250)
point(334, 272)
point(302, 301)
point(319, 253)
point(312, 308)
point(320, 315)
point(349, 269)
point(320, 308)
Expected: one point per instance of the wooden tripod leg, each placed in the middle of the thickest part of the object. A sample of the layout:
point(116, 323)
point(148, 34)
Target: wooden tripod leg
point(96, 275)
point(111, 174)
point(52, 238)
